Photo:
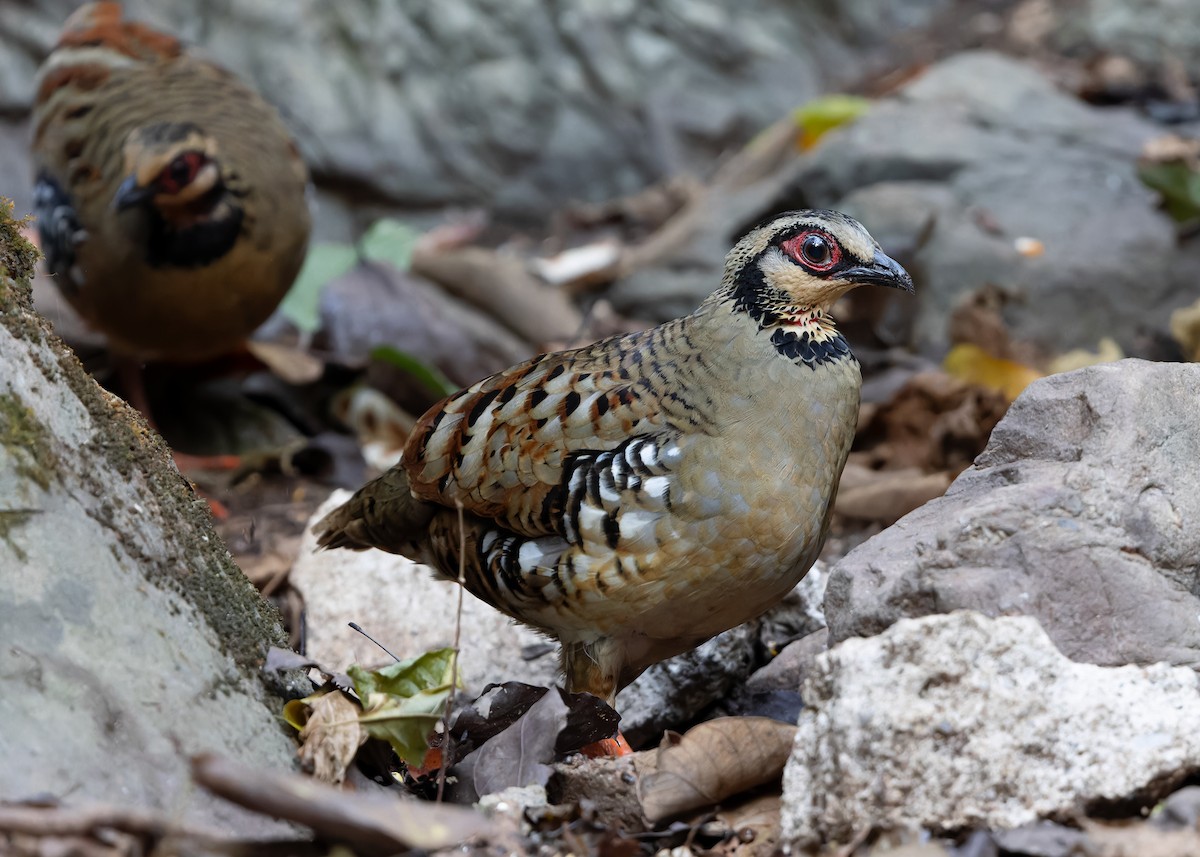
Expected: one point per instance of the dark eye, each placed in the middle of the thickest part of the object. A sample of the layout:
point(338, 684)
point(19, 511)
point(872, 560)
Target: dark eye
point(814, 250)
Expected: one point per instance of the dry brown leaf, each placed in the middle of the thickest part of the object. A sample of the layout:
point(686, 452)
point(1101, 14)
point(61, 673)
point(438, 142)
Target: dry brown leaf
point(712, 762)
point(290, 364)
point(331, 737)
point(755, 826)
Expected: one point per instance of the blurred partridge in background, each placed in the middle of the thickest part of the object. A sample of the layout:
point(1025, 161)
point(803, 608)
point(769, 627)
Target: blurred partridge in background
point(170, 199)
point(638, 496)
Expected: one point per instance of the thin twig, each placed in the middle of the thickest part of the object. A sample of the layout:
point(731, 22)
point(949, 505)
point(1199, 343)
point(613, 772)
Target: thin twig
point(358, 628)
point(447, 740)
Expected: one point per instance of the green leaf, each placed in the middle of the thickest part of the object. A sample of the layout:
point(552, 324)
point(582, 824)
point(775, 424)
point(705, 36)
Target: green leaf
point(389, 241)
point(324, 262)
point(406, 722)
point(405, 678)
point(826, 113)
point(404, 701)
point(1179, 185)
point(434, 380)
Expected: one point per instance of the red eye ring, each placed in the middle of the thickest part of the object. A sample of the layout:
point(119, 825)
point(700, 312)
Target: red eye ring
point(814, 250)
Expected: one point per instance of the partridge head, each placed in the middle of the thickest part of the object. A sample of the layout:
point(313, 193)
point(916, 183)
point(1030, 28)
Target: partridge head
point(636, 497)
point(170, 199)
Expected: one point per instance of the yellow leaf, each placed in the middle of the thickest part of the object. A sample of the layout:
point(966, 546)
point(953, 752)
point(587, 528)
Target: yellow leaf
point(296, 711)
point(1106, 352)
point(822, 115)
point(1185, 327)
point(972, 364)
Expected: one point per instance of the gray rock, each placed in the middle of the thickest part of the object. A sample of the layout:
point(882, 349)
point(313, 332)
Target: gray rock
point(987, 150)
point(1082, 511)
point(1042, 839)
point(1181, 809)
point(789, 669)
point(960, 721)
point(516, 105)
point(129, 640)
point(1153, 32)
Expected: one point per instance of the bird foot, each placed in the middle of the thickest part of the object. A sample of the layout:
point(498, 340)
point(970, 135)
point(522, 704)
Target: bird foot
point(608, 748)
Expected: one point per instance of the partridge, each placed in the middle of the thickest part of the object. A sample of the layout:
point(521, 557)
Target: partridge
point(170, 199)
point(638, 496)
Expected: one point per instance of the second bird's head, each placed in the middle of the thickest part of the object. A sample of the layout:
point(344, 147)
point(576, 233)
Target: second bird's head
point(807, 259)
point(173, 168)
point(191, 206)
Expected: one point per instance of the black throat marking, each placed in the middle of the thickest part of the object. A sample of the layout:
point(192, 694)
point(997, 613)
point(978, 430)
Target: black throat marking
point(770, 307)
point(193, 246)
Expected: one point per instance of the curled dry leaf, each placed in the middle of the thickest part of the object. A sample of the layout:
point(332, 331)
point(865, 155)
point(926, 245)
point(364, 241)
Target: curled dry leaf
point(714, 761)
point(372, 824)
point(331, 737)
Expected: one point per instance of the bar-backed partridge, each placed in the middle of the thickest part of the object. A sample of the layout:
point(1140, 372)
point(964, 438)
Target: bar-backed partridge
point(636, 497)
point(170, 199)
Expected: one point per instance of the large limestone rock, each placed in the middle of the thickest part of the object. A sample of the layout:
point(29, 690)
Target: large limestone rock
point(960, 721)
point(1082, 511)
point(982, 150)
point(128, 638)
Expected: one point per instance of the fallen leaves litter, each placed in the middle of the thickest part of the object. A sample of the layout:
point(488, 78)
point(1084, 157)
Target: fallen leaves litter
point(935, 422)
point(714, 761)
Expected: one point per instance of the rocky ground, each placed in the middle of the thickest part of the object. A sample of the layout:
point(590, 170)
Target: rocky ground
point(998, 654)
